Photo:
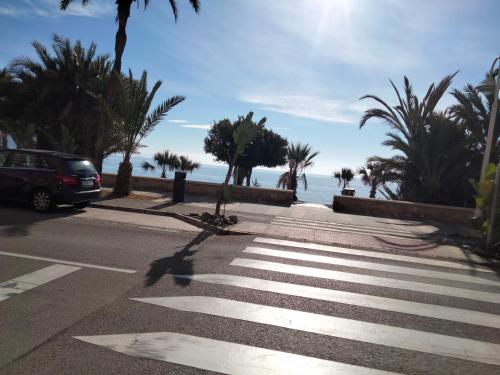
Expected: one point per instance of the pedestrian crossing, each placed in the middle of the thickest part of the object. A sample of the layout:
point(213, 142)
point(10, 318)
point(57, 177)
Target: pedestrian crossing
point(455, 296)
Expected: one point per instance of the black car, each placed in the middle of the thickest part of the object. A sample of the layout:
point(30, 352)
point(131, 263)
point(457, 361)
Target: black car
point(47, 178)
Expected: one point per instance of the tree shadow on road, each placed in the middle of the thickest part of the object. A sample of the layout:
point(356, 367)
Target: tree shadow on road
point(180, 263)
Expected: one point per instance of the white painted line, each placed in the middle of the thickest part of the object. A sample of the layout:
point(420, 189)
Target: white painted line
point(356, 299)
point(220, 356)
point(403, 338)
point(84, 265)
point(372, 254)
point(347, 226)
point(32, 280)
point(368, 280)
point(409, 270)
point(344, 228)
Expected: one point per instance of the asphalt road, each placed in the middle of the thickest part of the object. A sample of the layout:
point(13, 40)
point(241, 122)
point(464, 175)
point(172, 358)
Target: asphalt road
point(93, 321)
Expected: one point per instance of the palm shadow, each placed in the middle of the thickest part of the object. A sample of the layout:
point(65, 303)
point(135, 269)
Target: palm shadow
point(181, 263)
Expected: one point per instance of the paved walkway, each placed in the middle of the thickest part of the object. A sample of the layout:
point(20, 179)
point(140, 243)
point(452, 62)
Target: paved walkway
point(318, 223)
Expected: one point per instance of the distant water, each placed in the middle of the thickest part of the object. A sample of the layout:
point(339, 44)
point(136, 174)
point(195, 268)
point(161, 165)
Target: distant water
point(321, 188)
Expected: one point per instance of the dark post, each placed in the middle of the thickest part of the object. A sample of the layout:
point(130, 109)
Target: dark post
point(179, 186)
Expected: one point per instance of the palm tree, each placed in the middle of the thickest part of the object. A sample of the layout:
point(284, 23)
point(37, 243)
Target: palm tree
point(122, 15)
point(303, 155)
point(186, 164)
point(60, 93)
point(432, 147)
point(166, 160)
point(473, 112)
point(345, 175)
point(373, 175)
point(135, 121)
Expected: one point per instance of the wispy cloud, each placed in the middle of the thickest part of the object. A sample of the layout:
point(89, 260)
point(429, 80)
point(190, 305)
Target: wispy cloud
point(50, 9)
point(178, 121)
point(309, 107)
point(195, 126)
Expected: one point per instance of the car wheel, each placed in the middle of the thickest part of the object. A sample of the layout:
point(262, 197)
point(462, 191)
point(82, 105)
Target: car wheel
point(42, 200)
point(81, 205)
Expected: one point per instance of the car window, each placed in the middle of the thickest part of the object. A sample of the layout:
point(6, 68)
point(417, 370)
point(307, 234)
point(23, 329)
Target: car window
point(27, 160)
point(3, 158)
point(78, 166)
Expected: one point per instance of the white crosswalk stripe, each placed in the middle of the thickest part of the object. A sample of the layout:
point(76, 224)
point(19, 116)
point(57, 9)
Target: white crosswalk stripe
point(234, 358)
point(379, 334)
point(221, 356)
point(370, 265)
point(371, 254)
point(356, 299)
point(31, 280)
point(368, 280)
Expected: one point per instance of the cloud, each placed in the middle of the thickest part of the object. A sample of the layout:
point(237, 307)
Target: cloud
point(309, 107)
point(50, 9)
point(194, 126)
point(6, 10)
point(178, 121)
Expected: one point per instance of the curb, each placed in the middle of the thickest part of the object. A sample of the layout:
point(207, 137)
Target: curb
point(185, 218)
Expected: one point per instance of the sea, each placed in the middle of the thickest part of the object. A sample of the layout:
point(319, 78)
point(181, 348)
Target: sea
point(321, 188)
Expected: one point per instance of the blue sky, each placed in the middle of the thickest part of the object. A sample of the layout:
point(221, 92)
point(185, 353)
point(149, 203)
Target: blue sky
point(301, 63)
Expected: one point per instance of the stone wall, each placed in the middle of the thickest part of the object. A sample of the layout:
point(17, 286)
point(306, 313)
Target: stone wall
point(401, 209)
point(207, 189)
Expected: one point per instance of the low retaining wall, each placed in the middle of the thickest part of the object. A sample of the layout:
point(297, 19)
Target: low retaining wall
point(207, 189)
point(401, 209)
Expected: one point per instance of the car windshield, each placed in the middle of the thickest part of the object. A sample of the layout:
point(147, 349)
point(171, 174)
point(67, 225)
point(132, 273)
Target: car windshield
point(80, 166)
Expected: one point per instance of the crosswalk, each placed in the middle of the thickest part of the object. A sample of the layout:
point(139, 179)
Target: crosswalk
point(455, 296)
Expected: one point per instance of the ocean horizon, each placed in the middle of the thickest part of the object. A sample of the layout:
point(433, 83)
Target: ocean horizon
point(321, 188)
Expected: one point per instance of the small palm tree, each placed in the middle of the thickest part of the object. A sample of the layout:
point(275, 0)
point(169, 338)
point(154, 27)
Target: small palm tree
point(165, 160)
point(303, 155)
point(186, 164)
point(134, 121)
point(373, 175)
point(345, 175)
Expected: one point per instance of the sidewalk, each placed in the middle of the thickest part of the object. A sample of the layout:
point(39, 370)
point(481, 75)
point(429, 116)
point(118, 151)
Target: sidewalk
point(316, 223)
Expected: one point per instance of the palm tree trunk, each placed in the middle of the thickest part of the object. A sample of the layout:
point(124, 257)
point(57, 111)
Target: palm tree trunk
point(249, 176)
point(123, 178)
point(123, 13)
point(373, 191)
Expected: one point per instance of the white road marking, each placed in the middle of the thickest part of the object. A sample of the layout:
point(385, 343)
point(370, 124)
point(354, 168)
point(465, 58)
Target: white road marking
point(408, 270)
point(368, 280)
point(372, 254)
point(32, 280)
point(356, 299)
point(84, 265)
point(220, 356)
point(403, 338)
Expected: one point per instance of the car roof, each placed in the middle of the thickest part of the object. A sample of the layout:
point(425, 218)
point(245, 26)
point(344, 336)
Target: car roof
point(57, 154)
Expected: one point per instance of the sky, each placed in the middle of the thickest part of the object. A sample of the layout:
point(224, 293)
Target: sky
point(303, 64)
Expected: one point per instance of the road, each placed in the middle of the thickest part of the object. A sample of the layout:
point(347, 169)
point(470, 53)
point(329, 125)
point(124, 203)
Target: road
point(101, 292)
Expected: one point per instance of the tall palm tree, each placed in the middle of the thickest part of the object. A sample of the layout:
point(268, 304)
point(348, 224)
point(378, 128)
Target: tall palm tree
point(122, 15)
point(303, 156)
point(135, 121)
point(186, 164)
point(166, 160)
point(345, 175)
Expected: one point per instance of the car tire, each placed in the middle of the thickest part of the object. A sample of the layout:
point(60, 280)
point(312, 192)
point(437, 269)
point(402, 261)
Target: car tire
point(81, 205)
point(42, 200)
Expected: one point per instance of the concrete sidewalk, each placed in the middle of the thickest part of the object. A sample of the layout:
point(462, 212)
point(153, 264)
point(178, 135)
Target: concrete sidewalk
point(318, 223)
